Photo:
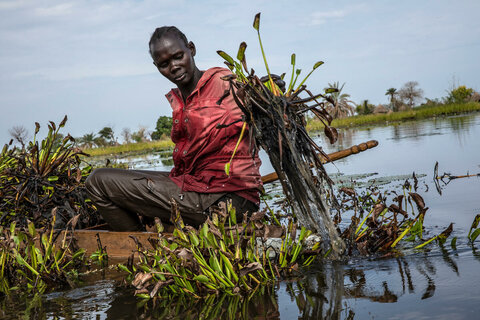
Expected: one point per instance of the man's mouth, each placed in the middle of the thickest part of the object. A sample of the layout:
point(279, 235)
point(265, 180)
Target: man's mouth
point(180, 77)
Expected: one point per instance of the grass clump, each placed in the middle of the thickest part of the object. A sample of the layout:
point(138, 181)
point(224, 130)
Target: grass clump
point(413, 114)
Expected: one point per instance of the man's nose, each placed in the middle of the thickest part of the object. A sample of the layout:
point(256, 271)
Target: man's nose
point(174, 67)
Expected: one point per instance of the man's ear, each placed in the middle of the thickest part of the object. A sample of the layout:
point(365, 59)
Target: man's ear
point(191, 46)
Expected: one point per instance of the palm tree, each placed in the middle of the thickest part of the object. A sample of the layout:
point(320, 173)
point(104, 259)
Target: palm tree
point(88, 140)
point(392, 92)
point(342, 107)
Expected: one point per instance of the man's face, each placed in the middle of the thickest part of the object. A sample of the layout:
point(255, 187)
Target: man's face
point(174, 59)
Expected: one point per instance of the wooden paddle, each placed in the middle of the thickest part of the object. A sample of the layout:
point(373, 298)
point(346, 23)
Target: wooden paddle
point(332, 157)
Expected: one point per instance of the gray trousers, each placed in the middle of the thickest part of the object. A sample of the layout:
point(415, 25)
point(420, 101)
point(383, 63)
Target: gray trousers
point(122, 195)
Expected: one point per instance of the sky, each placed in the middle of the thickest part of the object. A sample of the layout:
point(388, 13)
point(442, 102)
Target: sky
point(89, 59)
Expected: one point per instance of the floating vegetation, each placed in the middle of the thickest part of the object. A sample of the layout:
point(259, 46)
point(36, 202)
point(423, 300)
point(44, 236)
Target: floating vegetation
point(378, 224)
point(277, 123)
point(44, 176)
point(222, 256)
point(34, 261)
point(474, 231)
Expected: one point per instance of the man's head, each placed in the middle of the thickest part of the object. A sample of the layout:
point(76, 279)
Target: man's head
point(173, 54)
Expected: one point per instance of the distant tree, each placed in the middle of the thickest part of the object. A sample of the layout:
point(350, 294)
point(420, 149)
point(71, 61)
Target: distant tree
point(100, 141)
point(87, 140)
point(140, 135)
point(164, 127)
point(410, 93)
point(365, 108)
point(460, 94)
point(342, 107)
point(126, 135)
point(392, 92)
point(107, 134)
point(19, 134)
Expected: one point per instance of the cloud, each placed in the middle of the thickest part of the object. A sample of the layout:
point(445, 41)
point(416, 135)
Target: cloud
point(84, 72)
point(58, 10)
point(321, 17)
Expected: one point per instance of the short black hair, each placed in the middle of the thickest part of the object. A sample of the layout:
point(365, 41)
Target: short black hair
point(162, 31)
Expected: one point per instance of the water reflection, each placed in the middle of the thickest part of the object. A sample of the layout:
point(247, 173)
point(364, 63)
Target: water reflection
point(329, 290)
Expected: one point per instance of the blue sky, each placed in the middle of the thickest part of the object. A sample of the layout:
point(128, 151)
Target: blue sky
point(89, 59)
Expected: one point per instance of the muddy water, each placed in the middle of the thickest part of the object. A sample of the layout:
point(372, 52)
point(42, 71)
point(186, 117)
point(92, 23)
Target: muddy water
point(437, 283)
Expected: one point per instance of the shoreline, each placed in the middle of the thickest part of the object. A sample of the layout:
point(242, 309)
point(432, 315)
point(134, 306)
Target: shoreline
point(419, 113)
point(313, 125)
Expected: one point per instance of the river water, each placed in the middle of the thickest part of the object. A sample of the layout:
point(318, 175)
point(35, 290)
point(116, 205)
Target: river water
point(439, 282)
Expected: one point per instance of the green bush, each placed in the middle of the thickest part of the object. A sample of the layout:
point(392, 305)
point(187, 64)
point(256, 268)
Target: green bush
point(164, 127)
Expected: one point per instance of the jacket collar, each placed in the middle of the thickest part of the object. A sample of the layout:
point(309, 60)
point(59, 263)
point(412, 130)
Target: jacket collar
point(207, 75)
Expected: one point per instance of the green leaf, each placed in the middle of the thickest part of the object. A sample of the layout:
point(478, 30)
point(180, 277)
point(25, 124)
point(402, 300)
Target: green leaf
point(124, 268)
point(53, 178)
point(331, 90)
point(318, 64)
point(62, 124)
point(201, 278)
point(37, 127)
point(241, 51)
point(225, 56)
point(256, 22)
point(453, 243)
point(475, 234)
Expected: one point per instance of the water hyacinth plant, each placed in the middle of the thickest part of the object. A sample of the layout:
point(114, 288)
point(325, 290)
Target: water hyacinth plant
point(222, 256)
point(34, 261)
point(43, 176)
point(379, 226)
point(277, 124)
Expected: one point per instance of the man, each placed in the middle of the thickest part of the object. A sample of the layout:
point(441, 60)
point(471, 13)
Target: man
point(206, 129)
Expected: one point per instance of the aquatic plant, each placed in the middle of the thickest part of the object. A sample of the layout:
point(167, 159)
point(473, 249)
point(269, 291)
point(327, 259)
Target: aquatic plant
point(222, 256)
point(474, 231)
point(34, 260)
point(277, 124)
point(378, 224)
point(41, 177)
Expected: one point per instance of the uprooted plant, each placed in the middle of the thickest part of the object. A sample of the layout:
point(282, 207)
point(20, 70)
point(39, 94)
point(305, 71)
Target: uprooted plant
point(276, 122)
point(42, 176)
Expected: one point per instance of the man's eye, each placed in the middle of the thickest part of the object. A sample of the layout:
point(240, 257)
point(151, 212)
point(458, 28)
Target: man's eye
point(179, 56)
point(162, 65)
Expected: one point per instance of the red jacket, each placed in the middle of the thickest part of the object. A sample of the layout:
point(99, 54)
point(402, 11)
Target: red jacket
point(202, 150)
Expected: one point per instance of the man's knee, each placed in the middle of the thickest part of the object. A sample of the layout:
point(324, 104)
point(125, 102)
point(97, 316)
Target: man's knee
point(96, 179)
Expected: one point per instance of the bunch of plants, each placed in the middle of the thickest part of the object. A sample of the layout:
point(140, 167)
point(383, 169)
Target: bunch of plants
point(43, 176)
point(220, 257)
point(276, 120)
point(381, 220)
point(34, 261)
